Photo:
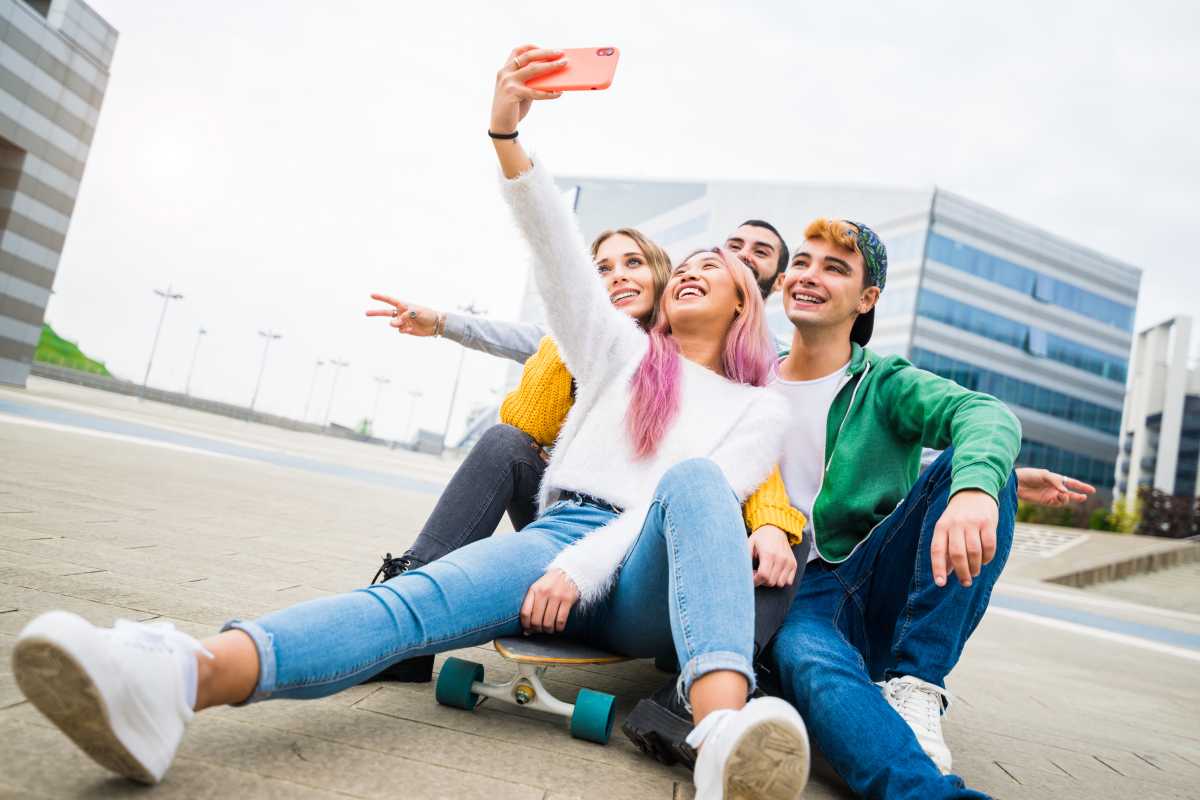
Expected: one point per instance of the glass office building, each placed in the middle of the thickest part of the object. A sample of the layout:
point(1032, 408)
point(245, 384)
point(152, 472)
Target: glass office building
point(54, 60)
point(1160, 428)
point(993, 303)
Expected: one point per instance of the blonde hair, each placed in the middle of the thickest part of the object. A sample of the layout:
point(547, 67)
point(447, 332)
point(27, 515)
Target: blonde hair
point(656, 259)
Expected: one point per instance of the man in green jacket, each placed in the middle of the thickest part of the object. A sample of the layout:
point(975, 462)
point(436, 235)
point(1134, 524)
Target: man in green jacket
point(902, 561)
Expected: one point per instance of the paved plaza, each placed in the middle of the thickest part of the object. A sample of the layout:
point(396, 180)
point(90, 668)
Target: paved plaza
point(110, 507)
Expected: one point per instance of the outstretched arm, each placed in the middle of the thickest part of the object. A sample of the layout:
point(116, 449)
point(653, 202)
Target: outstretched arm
point(516, 341)
point(592, 336)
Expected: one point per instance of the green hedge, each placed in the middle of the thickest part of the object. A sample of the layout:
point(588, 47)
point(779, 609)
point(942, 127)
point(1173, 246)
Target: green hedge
point(53, 349)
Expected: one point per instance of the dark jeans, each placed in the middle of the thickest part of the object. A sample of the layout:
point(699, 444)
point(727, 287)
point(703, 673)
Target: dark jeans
point(502, 473)
point(876, 616)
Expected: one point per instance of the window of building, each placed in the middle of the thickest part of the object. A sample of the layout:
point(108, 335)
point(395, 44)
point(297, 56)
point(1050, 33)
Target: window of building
point(1021, 279)
point(1032, 340)
point(1095, 471)
point(905, 246)
point(40, 6)
point(1189, 448)
point(1017, 392)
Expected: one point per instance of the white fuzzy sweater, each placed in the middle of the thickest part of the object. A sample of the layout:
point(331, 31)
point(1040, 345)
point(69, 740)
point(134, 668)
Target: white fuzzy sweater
point(739, 427)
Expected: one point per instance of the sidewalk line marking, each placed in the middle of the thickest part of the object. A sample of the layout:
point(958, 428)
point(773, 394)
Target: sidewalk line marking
point(1097, 633)
point(1083, 597)
point(117, 437)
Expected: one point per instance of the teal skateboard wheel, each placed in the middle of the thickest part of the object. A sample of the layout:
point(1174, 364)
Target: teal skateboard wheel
point(454, 683)
point(593, 717)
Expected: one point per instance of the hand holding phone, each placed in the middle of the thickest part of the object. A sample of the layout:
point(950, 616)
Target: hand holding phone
point(587, 68)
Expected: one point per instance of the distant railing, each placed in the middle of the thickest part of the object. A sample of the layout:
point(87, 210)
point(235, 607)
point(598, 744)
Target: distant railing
point(117, 385)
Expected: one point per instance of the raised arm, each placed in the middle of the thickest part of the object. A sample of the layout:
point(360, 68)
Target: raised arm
point(592, 336)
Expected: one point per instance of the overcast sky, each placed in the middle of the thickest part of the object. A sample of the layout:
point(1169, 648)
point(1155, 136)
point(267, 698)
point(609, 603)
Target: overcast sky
point(278, 161)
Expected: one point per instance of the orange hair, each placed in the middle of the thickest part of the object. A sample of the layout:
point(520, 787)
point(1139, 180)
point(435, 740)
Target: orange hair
point(835, 231)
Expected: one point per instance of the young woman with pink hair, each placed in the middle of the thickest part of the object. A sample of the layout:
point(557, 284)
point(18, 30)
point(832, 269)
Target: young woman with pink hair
point(640, 547)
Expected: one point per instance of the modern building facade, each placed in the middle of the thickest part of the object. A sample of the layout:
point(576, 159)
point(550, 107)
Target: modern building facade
point(993, 303)
point(1160, 426)
point(54, 61)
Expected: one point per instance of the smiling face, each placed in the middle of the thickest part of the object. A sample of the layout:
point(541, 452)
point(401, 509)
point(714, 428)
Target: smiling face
point(824, 287)
point(701, 292)
point(628, 278)
point(759, 249)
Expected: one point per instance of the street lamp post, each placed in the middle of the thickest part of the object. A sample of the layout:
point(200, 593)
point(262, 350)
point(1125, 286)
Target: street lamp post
point(187, 387)
point(167, 297)
point(311, 388)
point(270, 336)
point(470, 308)
point(415, 394)
point(337, 365)
point(380, 382)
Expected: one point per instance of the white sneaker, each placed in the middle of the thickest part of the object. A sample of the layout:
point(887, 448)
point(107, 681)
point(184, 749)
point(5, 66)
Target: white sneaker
point(757, 753)
point(921, 705)
point(119, 693)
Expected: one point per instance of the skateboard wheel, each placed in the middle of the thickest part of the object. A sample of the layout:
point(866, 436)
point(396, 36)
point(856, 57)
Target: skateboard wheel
point(593, 717)
point(454, 683)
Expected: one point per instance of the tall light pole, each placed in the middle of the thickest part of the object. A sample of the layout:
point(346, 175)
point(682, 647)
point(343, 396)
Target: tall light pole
point(380, 382)
point(312, 387)
point(337, 365)
point(270, 336)
point(415, 394)
point(167, 297)
point(187, 387)
point(469, 308)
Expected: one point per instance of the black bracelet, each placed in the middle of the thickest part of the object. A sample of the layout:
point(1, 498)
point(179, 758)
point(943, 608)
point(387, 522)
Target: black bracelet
point(504, 136)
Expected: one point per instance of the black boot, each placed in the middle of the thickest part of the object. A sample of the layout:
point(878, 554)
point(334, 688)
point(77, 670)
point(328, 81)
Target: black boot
point(659, 726)
point(411, 670)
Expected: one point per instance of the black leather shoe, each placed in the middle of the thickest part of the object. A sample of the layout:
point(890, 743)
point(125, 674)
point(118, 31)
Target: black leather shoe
point(410, 670)
point(659, 725)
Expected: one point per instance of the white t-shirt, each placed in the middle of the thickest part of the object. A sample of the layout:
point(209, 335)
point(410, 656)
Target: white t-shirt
point(804, 444)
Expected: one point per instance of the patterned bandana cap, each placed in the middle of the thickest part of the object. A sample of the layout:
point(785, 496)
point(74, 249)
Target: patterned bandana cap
point(873, 252)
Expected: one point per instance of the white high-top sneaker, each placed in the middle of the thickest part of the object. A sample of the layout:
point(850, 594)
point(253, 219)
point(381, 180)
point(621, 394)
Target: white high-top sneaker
point(757, 753)
point(119, 693)
point(921, 704)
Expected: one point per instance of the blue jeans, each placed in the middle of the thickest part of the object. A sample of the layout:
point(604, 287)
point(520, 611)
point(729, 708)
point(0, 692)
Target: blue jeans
point(685, 590)
point(876, 616)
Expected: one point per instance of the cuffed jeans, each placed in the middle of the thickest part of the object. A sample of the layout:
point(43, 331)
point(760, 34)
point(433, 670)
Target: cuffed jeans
point(684, 589)
point(876, 616)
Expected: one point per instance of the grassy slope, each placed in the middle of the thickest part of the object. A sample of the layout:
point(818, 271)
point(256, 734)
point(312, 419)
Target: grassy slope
point(53, 349)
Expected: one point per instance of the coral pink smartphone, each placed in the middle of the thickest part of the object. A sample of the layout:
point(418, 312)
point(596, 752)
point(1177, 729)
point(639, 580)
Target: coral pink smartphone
point(587, 68)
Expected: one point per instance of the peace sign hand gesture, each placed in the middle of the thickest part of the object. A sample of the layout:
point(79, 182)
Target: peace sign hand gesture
point(406, 317)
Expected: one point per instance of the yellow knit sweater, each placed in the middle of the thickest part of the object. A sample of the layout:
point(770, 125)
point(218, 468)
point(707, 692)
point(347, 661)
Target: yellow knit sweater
point(539, 406)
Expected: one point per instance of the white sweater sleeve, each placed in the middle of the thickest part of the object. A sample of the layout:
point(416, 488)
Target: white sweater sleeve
point(593, 337)
point(592, 562)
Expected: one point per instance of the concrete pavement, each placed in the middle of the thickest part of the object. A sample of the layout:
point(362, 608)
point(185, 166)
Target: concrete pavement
point(115, 508)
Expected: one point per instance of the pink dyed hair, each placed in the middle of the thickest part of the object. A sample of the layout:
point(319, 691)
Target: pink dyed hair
point(748, 357)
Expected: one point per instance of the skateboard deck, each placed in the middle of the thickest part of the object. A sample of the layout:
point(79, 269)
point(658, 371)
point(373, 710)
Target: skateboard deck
point(552, 650)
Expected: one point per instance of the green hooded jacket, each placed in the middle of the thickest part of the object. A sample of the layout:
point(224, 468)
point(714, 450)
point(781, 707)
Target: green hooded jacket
point(877, 425)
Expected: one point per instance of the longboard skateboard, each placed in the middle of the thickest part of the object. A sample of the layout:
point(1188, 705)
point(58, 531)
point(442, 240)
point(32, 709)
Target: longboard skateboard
point(460, 683)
